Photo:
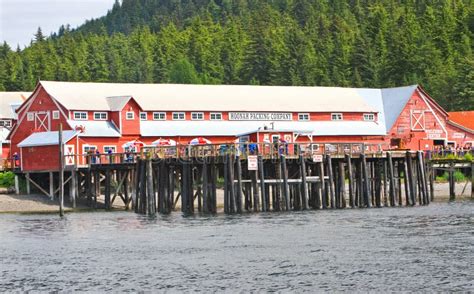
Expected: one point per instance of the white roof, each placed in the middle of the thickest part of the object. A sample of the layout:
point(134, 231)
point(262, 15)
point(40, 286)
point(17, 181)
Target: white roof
point(46, 138)
point(10, 101)
point(234, 128)
point(169, 97)
point(95, 128)
point(394, 100)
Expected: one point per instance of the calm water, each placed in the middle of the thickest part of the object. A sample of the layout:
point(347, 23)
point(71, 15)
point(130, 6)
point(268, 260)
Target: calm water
point(391, 249)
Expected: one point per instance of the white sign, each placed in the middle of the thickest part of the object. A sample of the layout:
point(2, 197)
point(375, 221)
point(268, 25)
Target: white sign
point(317, 158)
point(458, 136)
point(281, 116)
point(434, 134)
point(252, 162)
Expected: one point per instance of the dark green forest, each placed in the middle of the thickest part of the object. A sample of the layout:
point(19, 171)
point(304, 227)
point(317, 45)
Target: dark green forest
point(349, 43)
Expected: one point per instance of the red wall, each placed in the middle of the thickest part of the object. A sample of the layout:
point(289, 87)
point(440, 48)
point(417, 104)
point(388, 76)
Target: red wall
point(42, 102)
point(40, 158)
point(131, 127)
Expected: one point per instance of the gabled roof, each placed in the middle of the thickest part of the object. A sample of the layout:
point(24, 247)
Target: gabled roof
point(117, 103)
point(46, 138)
point(394, 100)
point(10, 101)
point(95, 128)
point(463, 118)
point(169, 97)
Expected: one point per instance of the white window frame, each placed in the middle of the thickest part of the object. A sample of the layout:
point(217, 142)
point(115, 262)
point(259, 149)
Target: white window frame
point(197, 115)
point(88, 146)
point(337, 116)
point(30, 116)
point(100, 113)
point(215, 114)
point(80, 115)
point(143, 114)
point(55, 114)
point(369, 116)
point(132, 117)
point(178, 114)
point(157, 115)
point(304, 117)
point(110, 146)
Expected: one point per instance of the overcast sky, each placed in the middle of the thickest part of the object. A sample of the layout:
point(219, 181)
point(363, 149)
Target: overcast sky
point(19, 19)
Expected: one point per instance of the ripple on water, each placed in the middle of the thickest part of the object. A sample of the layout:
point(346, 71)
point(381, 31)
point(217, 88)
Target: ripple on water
point(400, 249)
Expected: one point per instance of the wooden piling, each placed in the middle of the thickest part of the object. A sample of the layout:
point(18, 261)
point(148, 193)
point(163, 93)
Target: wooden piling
point(351, 180)
point(366, 184)
point(107, 189)
point(324, 195)
point(285, 188)
point(410, 178)
point(342, 185)
point(391, 179)
point(238, 195)
point(332, 195)
point(304, 185)
point(262, 183)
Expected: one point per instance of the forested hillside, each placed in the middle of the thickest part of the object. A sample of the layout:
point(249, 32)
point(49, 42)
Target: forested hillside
point(360, 43)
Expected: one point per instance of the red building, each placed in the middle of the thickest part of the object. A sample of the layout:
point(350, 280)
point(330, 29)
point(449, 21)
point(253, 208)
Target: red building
point(9, 102)
point(117, 117)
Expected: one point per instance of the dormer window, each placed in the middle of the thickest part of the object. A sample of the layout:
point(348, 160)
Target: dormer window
point(129, 115)
point(80, 115)
point(369, 117)
point(100, 115)
point(336, 116)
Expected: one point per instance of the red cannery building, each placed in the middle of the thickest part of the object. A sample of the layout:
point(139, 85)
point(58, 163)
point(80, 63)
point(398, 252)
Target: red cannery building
point(107, 117)
point(9, 102)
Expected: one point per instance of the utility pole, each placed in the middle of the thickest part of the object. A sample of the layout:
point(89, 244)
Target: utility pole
point(61, 171)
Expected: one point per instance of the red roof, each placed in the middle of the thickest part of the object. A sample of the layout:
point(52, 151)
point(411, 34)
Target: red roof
point(463, 118)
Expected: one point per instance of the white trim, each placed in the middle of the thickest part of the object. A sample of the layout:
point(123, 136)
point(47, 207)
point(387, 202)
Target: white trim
point(159, 113)
point(199, 115)
point(215, 113)
point(337, 114)
point(130, 112)
point(110, 146)
point(100, 114)
point(303, 114)
point(30, 116)
point(143, 113)
point(179, 114)
point(55, 114)
point(27, 108)
point(88, 145)
point(366, 116)
point(80, 115)
point(434, 113)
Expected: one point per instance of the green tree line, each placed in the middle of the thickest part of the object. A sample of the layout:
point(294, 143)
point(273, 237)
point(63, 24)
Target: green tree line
point(347, 43)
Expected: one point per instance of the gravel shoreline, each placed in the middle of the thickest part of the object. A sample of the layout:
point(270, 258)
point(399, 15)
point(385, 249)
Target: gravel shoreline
point(11, 203)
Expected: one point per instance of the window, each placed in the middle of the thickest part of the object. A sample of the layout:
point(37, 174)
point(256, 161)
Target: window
point(178, 116)
point(5, 123)
point(80, 115)
point(100, 115)
point(30, 116)
point(55, 114)
point(89, 148)
point(159, 115)
point(303, 116)
point(336, 116)
point(130, 115)
point(369, 117)
point(216, 116)
point(197, 116)
point(143, 116)
point(110, 149)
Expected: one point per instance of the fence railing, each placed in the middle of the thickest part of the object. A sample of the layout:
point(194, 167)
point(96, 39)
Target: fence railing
point(266, 150)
